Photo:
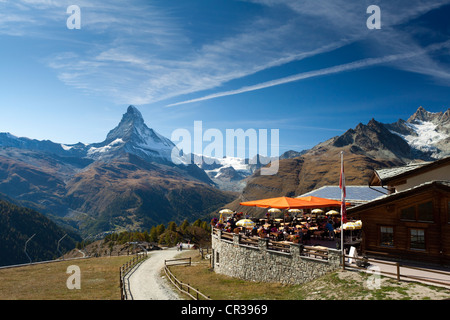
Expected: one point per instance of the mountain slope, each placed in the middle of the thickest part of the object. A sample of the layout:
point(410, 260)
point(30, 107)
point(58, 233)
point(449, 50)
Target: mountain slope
point(308, 172)
point(134, 194)
point(37, 178)
point(18, 224)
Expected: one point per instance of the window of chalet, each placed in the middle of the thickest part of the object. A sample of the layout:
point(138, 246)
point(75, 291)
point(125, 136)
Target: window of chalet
point(419, 212)
point(417, 239)
point(386, 236)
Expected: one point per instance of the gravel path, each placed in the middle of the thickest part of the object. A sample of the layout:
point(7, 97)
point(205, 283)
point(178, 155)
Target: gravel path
point(146, 283)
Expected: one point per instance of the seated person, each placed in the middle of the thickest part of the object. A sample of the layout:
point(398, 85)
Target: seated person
point(262, 233)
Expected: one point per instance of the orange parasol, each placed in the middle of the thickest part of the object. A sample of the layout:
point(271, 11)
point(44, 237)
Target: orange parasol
point(293, 203)
point(279, 203)
point(318, 202)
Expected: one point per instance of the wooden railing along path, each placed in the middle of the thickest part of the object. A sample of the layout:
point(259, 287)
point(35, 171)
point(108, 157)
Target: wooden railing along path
point(398, 274)
point(183, 287)
point(125, 269)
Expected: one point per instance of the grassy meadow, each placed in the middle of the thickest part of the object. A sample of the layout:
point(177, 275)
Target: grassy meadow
point(99, 280)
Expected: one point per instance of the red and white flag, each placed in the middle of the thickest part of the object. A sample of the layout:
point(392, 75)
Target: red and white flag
point(343, 193)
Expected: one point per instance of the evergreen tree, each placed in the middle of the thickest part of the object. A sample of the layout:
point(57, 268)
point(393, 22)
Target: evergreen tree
point(172, 226)
point(184, 225)
point(146, 236)
point(205, 225)
point(197, 223)
point(160, 229)
point(154, 234)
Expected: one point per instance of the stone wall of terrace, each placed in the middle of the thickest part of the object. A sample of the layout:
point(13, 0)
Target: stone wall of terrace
point(263, 260)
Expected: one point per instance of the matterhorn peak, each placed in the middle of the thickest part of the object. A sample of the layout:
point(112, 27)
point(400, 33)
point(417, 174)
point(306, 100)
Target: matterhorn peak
point(132, 136)
point(132, 111)
point(131, 124)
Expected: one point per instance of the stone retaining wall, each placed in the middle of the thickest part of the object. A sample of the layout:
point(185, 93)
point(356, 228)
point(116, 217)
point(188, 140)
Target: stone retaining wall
point(253, 263)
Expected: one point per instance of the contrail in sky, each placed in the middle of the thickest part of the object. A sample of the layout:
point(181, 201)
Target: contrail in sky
point(321, 72)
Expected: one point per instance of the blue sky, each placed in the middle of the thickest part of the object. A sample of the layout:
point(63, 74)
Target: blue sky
point(311, 69)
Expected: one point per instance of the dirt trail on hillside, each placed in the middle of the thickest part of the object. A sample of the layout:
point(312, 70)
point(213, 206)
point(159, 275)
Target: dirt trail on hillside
point(146, 283)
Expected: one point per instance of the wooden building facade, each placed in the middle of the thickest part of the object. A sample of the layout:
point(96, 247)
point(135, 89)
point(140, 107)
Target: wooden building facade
point(413, 224)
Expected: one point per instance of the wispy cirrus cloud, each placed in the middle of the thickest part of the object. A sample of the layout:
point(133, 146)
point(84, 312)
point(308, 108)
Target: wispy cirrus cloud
point(365, 63)
point(393, 46)
point(141, 53)
point(145, 54)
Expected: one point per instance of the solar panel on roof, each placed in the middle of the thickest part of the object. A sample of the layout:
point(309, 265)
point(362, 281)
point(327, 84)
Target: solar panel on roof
point(363, 193)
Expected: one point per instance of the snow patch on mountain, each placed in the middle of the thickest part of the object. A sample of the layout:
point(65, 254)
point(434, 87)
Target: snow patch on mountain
point(109, 147)
point(424, 137)
point(153, 143)
point(237, 163)
point(426, 134)
point(66, 147)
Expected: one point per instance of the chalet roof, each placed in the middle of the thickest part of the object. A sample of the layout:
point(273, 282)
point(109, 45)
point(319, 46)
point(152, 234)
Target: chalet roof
point(383, 176)
point(353, 193)
point(393, 196)
point(386, 174)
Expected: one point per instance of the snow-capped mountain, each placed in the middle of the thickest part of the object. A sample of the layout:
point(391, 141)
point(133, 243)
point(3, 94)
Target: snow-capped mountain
point(212, 165)
point(230, 173)
point(427, 133)
point(132, 136)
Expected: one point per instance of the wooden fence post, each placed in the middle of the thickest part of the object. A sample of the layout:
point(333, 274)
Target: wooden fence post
point(121, 284)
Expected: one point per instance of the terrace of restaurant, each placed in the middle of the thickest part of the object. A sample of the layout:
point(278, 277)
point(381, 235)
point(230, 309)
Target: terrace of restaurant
point(310, 221)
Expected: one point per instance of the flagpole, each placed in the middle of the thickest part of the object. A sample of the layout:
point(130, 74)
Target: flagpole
point(342, 186)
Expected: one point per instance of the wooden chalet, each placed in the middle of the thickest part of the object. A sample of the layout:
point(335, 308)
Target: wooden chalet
point(412, 221)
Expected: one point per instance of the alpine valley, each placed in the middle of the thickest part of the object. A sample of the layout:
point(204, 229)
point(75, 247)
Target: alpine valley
point(129, 180)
